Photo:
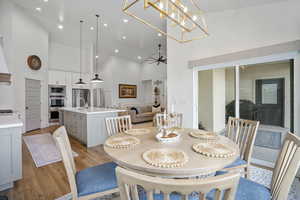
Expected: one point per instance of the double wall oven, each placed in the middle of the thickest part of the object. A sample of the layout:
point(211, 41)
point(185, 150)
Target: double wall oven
point(57, 96)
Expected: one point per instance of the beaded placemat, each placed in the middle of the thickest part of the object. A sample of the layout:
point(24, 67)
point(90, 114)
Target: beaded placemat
point(122, 142)
point(215, 150)
point(165, 157)
point(205, 135)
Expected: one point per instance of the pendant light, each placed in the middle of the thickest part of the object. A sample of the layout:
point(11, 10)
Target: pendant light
point(80, 82)
point(97, 79)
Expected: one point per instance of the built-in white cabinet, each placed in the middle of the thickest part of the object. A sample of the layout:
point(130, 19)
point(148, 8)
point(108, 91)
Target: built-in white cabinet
point(56, 77)
point(69, 80)
point(10, 156)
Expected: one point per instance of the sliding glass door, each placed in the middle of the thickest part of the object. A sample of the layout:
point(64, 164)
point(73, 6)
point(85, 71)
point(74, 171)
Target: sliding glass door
point(259, 92)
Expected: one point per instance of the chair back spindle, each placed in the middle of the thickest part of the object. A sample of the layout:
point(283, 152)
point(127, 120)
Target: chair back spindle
point(116, 125)
point(243, 133)
point(128, 180)
point(158, 119)
point(286, 167)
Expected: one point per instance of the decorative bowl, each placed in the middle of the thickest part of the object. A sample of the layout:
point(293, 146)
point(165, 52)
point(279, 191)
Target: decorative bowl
point(170, 138)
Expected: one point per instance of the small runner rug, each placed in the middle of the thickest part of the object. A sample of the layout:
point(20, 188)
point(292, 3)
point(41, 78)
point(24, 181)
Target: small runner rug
point(43, 149)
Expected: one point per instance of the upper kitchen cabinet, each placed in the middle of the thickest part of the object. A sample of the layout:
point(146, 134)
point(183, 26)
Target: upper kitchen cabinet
point(57, 77)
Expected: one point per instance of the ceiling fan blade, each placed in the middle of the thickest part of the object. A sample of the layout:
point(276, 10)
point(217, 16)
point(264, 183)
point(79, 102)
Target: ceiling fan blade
point(152, 62)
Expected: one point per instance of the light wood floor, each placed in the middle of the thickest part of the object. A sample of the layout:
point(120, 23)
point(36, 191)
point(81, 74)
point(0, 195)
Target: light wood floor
point(50, 182)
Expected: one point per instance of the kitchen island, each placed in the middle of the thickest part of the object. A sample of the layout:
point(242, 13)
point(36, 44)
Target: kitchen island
point(87, 124)
point(10, 150)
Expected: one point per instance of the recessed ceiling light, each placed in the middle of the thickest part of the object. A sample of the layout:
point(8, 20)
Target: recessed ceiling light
point(45, 0)
point(125, 20)
point(116, 50)
point(105, 25)
point(59, 26)
point(92, 28)
point(159, 34)
point(139, 57)
point(38, 9)
point(124, 37)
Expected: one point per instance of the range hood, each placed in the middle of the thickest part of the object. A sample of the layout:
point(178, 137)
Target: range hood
point(4, 73)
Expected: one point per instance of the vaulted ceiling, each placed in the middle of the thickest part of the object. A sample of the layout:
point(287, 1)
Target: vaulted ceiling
point(132, 39)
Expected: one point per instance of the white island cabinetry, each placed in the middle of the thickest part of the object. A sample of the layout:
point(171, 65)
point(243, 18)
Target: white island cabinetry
point(10, 151)
point(87, 125)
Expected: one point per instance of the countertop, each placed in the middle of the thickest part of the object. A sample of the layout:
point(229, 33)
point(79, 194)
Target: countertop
point(91, 110)
point(9, 121)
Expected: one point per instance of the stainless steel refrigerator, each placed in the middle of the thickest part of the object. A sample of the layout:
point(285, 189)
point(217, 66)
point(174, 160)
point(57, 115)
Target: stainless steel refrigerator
point(80, 97)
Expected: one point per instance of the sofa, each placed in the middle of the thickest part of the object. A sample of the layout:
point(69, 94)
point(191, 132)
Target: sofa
point(140, 114)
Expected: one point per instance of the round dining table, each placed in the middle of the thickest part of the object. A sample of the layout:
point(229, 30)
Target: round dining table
point(197, 165)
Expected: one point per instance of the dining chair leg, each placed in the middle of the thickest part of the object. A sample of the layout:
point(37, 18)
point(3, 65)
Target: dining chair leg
point(246, 172)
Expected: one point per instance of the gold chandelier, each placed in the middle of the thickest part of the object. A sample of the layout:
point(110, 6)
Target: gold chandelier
point(185, 16)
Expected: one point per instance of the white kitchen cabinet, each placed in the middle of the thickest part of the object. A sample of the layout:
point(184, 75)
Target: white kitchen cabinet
point(10, 154)
point(56, 77)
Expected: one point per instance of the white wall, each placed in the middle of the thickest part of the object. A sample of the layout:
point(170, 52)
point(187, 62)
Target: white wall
point(117, 71)
point(6, 91)
point(205, 105)
point(212, 99)
point(27, 38)
point(154, 72)
point(67, 58)
point(231, 31)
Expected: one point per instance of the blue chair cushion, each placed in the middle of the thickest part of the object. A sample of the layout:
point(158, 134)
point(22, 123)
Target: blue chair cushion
point(236, 163)
point(96, 179)
point(249, 190)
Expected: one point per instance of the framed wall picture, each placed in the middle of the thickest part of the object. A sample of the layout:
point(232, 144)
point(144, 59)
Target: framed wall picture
point(127, 91)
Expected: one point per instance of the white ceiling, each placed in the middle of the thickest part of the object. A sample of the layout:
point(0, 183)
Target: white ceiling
point(140, 40)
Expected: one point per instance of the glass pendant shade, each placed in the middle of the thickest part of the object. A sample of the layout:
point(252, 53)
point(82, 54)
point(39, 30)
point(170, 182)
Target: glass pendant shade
point(97, 79)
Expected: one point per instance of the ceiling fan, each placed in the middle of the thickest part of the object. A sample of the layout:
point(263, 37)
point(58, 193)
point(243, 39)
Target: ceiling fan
point(157, 60)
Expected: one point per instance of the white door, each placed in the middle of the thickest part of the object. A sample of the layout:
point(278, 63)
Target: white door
point(33, 104)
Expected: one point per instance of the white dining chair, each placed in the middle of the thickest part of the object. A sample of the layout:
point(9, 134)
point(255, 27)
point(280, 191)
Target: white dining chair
point(286, 167)
point(119, 124)
point(137, 186)
point(243, 133)
point(158, 119)
point(89, 183)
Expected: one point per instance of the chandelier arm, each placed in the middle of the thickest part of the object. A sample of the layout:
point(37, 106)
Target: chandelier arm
point(196, 5)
